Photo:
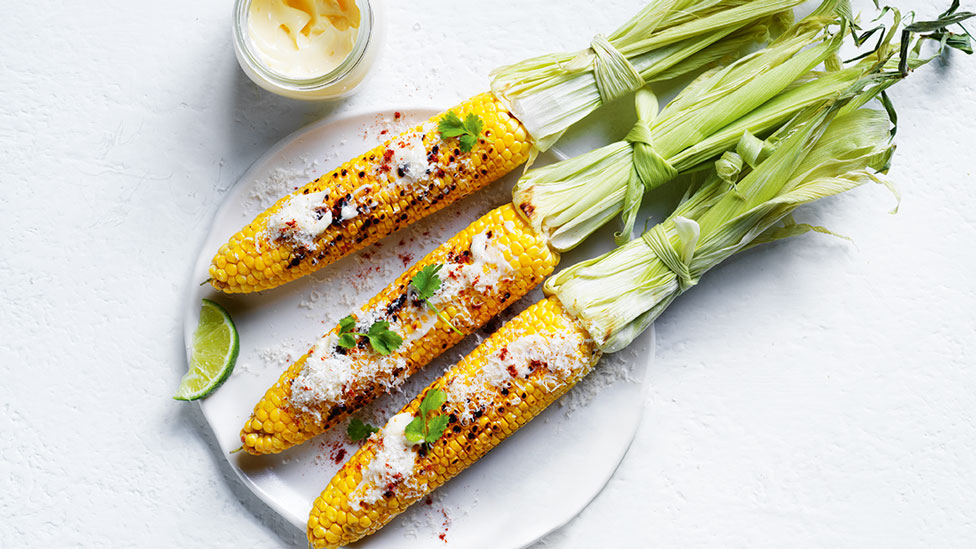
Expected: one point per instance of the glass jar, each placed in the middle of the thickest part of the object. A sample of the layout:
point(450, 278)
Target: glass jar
point(336, 83)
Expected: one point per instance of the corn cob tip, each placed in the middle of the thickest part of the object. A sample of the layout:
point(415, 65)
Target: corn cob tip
point(272, 427)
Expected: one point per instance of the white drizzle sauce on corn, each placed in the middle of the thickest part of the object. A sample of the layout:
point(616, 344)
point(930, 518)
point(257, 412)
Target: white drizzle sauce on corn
point(409, 159)
point(348, 211)
point(305, 216)
point(300, 219)
point(392, 463)
point(328, 376)
point(488, 266)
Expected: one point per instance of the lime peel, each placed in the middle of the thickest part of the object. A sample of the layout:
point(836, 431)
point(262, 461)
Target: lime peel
point(215, 349)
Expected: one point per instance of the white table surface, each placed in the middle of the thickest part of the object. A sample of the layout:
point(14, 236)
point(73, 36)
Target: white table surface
point(813, 393)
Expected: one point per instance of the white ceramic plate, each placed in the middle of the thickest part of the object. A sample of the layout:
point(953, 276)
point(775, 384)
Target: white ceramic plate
point(533, 483)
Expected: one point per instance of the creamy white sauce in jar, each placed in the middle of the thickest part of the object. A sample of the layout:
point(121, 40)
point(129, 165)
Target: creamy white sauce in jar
point(306, 49)
point(303, 39)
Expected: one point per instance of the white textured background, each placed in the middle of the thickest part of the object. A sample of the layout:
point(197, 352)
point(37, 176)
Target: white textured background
point(810, 394)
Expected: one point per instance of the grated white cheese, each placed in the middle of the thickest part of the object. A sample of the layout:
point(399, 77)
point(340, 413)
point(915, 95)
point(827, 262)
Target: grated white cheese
point(556, 355)
point(514, 360)
point(280, 356)
point(614, 368)
point(329, 378)
point(392, 463)
point(301, 219)
point(323, 378)
point(428, 518)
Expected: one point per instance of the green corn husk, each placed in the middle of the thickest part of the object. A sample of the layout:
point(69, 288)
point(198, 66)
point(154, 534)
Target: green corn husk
point(667, 38)
point(823, 152)
point(569, 200)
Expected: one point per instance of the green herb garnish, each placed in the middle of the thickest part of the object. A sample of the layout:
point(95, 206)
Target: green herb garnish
point(383, 340)
point(359, 430)
point(425, 283)
point(425, 427)
point(467, 131)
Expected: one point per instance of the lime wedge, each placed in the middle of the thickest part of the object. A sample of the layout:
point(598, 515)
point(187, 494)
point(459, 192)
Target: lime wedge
point(215, 348)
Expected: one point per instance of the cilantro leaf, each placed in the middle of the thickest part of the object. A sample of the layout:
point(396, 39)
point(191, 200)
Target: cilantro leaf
point(450, 125)
point(426, 282)
point(358, 430)
point(382, 338)
point(347, 324)
point(467, 131)
point(432, 402)
point(435, 428)
point(428, 429)
point(414, 431)
point(347, 338)
point(473, 124)
point(346, 341)
point(468, 142)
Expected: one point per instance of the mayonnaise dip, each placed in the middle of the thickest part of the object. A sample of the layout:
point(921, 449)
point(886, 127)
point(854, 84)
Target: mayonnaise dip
point(303, 39)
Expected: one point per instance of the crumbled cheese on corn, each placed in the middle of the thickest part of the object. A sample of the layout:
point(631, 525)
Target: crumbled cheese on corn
point(301, 219)
point(555, 356)
point(323, 378)
point(329, 377)
point(517, 359)
point(392, 463)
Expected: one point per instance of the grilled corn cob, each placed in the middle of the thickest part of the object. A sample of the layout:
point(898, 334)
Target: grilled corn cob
point(505, 382)
point(487, 266)
point(405, 179)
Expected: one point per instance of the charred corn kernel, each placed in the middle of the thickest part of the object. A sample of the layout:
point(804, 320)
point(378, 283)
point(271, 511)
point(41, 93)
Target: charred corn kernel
point(548, 351)
point(481, 276)
point(405, 179)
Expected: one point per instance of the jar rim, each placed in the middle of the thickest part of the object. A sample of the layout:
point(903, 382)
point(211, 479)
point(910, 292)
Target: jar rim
point(348, 64)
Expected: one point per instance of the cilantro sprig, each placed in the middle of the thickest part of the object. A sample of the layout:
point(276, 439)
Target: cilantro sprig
point(427, 426)
point(383, 340)
point(359, 430)
point(467, 131)
point(425, 283)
